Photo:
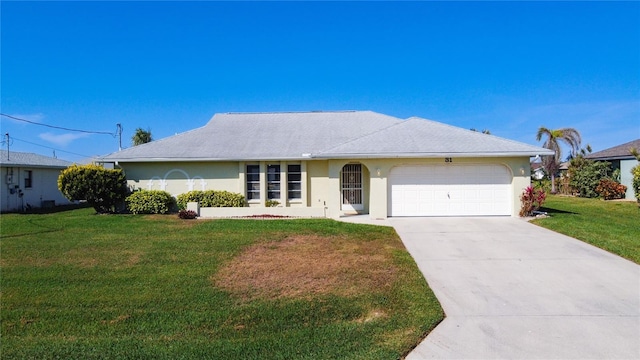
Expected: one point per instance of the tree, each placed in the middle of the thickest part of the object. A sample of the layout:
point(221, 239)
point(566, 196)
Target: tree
point(102, 188)
point(141, 137)
point(485, 131)
point(569, 136)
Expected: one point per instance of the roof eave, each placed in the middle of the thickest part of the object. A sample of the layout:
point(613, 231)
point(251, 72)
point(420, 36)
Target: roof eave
point(606, 158)
point(430, 155)
point(34, 166)
point(208, 159)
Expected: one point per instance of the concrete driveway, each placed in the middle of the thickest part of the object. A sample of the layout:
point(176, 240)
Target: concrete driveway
point(513, 290)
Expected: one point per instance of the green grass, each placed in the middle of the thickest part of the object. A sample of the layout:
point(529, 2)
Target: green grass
point(610, 225)
point(75, 285)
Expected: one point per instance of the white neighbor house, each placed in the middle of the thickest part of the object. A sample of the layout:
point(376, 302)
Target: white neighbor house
point(30, 180)
point(338, 163)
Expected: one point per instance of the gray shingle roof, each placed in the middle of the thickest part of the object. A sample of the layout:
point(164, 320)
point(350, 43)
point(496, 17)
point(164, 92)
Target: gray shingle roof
point(300, 135)
point(14, 158)
point(417, 137)
point(617, 152)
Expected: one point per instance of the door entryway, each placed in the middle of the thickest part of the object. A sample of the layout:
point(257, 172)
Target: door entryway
point(352, 187)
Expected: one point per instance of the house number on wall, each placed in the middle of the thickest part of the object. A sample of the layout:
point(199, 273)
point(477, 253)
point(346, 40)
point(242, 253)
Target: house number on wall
point(448, 160)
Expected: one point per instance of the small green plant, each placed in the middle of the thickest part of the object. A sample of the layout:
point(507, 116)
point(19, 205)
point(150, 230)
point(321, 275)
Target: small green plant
point(150, 202)
point(609, 189)
point(531, 200)
point(187, 214)
point(271, 203)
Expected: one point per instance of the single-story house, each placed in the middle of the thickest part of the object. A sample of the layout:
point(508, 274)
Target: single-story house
point(30, 180)
point(621, 158)
point(338, 163)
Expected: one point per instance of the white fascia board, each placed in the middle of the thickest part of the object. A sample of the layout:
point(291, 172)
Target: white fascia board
point(429, 155)
point(155, 160)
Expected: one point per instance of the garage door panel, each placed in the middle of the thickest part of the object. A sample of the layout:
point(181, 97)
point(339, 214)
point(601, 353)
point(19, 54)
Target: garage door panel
point(452, 190)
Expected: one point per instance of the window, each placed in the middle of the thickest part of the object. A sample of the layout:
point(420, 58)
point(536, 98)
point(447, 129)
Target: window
point(273, 181)
point(253, 182)
point(28, 179)
point(294, 182)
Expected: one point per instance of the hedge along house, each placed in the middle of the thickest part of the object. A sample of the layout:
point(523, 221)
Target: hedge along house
point(338, 163)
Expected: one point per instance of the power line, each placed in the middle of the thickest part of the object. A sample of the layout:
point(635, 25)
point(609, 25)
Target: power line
point(60, 127)
point(49, 147)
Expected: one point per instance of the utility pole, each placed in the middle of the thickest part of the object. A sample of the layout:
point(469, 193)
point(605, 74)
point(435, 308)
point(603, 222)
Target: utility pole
point(119, 132)
point(7, 135)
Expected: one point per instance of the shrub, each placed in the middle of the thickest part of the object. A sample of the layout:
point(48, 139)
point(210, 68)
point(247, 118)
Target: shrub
point(150, 202)
point(586, 176)
point(609, 189)
point(211, 198)
point(531, 200)
point(636, 181)
point(102, 188)
point(271, 203)
point(187, 214)
point(191, 196)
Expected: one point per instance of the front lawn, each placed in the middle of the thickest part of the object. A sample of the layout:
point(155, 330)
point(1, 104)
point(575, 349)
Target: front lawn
point(76, 285)
point(611, 225)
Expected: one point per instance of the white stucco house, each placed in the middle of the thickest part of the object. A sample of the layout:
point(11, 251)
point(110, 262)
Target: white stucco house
point(621, 158)
point(338, 163)
point(30, 180)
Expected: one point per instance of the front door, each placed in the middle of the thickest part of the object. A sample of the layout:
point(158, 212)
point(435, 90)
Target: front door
point(352, 187)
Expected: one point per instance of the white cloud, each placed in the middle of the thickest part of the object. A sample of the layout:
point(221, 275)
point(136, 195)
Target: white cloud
point(61, 139)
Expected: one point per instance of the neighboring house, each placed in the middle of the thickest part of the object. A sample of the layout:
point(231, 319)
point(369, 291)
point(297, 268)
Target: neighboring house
point(30, 180)
point(621, 158)
point(337, 163)
point(537, 170)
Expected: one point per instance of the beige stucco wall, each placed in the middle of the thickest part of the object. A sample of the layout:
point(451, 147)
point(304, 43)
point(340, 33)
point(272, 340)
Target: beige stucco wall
point(321, 180)
point(378, 186)
point(180, 177)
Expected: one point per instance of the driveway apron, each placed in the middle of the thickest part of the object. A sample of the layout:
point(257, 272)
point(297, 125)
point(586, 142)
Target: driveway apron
point(513, 290)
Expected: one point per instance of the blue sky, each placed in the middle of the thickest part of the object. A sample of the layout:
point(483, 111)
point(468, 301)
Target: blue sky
point(509, 67)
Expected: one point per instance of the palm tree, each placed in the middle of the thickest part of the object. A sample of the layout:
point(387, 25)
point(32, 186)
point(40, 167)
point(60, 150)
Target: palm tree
point(569, 136)
point(141, 137)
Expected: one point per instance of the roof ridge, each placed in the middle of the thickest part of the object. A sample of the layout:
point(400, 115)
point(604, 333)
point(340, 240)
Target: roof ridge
point(400, 121)
point(474, 132)
point(291, 112)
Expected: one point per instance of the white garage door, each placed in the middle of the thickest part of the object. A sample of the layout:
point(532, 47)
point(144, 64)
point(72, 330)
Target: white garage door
point(450, 190)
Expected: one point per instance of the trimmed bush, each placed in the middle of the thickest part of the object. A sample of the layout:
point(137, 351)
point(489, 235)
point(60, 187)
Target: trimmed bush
point(609, 189)
point(150, 202)
point(211, 198)
point(103, 189)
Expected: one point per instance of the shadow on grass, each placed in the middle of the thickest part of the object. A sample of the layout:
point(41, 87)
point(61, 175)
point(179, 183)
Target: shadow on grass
point(53, 210)
point(43, 230)
point(556, 211)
